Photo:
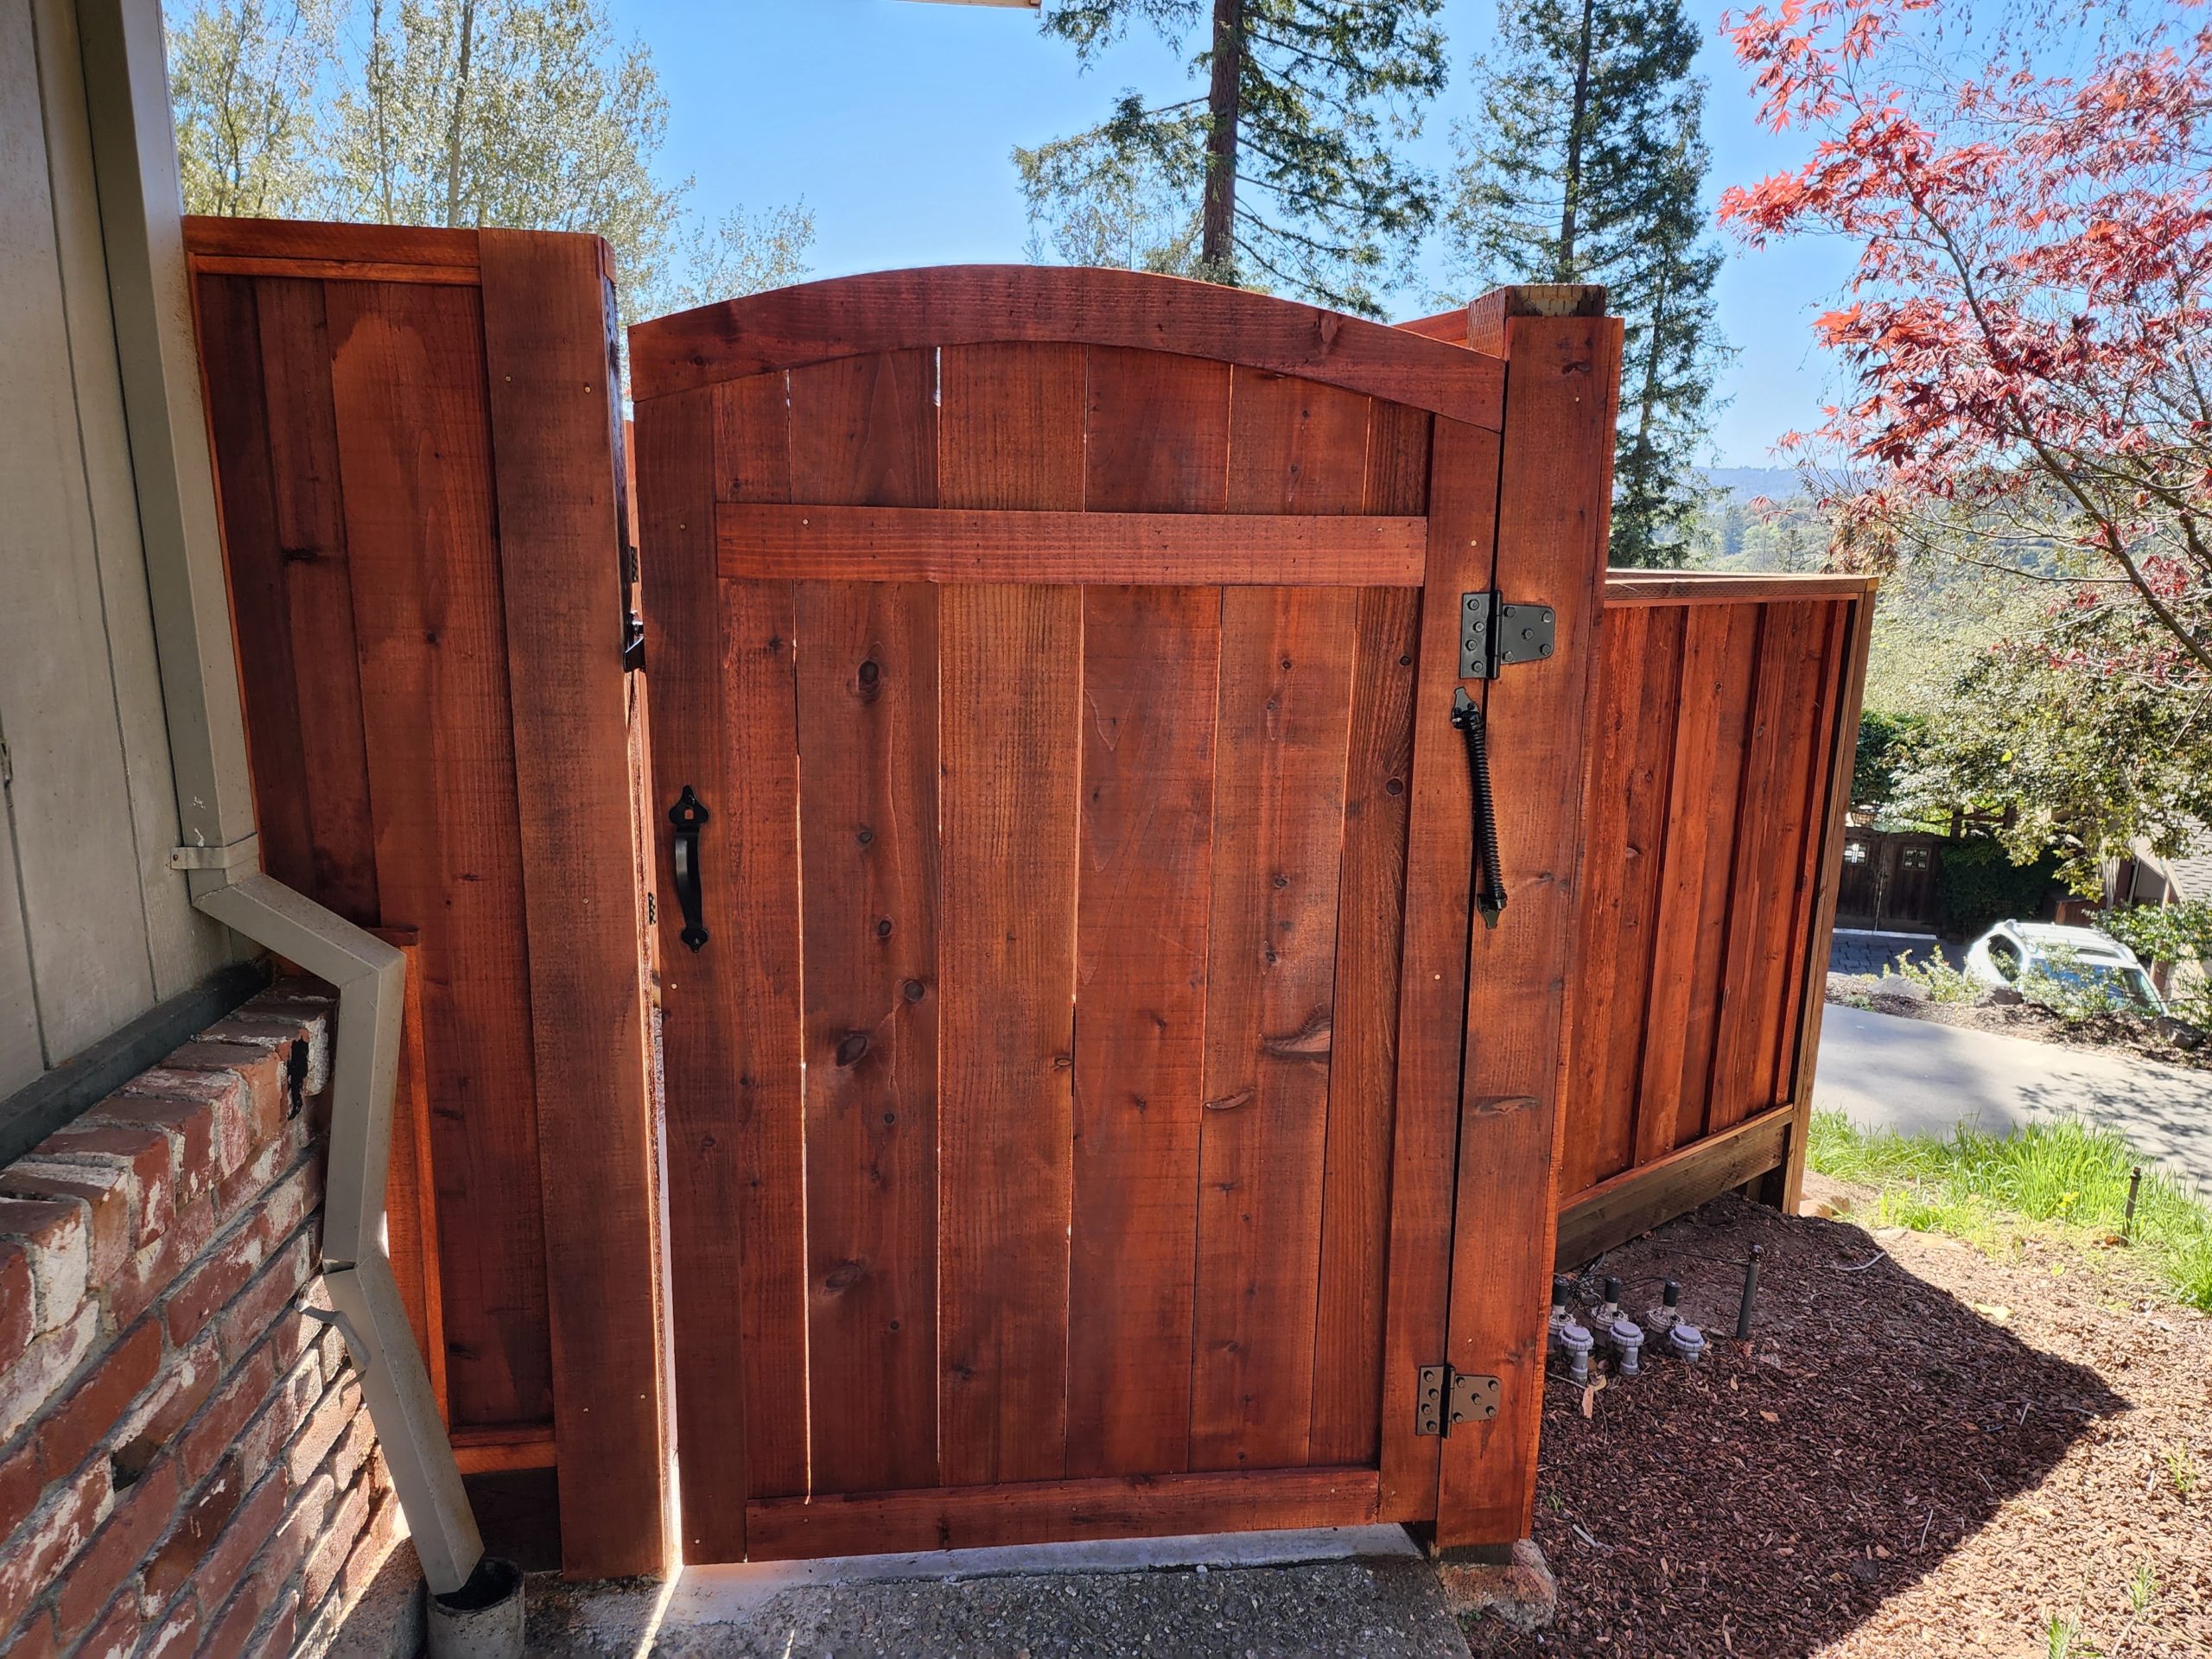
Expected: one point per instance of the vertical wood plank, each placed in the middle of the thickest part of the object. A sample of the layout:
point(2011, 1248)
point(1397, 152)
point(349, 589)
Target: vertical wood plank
point(1675, 930)
point(1349, 1319)
point(309, 507)
point(261, 610)
point(1597, 1136)
point(1801, 787)
point(1463, 485)
point(867, 710)
point(1278, 837)
point(1848, 687)
point(407, 379)
point(1157, 437)
point(548, 308)
point(1010, 681)
point(1748, 1008)
point(1362, 1059)
point(1722, 832)
point(1554, 506)
point(1150, 677)
point(1296, 446)
point(755, 759)
point(1010, 434)
point(863, 432)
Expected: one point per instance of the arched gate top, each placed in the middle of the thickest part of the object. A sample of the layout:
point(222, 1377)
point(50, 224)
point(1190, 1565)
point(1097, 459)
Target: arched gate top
point(967, 305)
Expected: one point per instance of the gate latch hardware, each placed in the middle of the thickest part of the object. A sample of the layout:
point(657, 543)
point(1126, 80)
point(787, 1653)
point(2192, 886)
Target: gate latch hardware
point(1445, 1397)
point(1493, 634)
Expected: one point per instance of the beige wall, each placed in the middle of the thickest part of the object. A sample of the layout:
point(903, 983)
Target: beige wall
point(95, 928)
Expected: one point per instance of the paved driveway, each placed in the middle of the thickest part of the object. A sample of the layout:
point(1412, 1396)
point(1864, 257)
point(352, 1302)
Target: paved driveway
point(1917, 1077)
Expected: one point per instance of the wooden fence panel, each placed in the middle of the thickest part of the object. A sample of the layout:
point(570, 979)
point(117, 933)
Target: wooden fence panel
point(1717, 783)
point(418, 458)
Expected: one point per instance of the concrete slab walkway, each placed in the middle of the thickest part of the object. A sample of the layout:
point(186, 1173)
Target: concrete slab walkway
point(1356, 1590)
point(1921, 1077)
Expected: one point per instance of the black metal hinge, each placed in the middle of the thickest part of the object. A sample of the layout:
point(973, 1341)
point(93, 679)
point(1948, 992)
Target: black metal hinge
point(1443, 1397)
point(1493, 634)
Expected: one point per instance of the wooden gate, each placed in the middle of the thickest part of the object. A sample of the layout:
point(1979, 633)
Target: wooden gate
point(1063, 1036)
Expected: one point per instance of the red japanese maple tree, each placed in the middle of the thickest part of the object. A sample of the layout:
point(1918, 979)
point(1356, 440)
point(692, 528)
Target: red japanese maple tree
point(2025, 328)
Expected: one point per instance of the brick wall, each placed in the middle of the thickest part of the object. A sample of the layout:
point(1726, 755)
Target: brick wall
point(186, 1466)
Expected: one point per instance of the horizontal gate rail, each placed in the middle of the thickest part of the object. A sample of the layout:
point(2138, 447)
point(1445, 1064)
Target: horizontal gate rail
point(1121, 1506)
point(771, 541)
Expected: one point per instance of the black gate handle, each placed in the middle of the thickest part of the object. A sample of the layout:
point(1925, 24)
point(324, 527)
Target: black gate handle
point(688, 815)
point(1489, 874)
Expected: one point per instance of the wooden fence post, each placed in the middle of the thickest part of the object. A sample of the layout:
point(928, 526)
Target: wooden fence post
point(1553, 515)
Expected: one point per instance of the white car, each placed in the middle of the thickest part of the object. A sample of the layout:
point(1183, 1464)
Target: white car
point(2011, 950)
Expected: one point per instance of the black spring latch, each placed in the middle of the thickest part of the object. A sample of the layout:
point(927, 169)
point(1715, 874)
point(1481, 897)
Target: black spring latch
point(1489, 874)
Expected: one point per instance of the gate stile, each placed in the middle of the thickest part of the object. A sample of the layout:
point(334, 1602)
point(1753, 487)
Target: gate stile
point(1068, 1128)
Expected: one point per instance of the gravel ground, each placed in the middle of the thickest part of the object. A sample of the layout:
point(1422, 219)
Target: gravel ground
point(1923, 1450)
point(1388, 1609)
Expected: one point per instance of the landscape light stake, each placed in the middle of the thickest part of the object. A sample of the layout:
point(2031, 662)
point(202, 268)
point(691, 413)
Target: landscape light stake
point(1750, 1290)
point(2128, 1222)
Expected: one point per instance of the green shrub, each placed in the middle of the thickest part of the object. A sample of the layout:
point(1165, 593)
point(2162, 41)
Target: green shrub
point(1943, 982)
point(1979, 884)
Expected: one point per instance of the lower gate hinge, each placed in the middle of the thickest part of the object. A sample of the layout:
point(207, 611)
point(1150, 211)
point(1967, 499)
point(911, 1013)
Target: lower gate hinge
point(1443, 1397)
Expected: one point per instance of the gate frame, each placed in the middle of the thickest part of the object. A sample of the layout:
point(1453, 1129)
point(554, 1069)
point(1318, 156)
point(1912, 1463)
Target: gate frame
point(1524, 397)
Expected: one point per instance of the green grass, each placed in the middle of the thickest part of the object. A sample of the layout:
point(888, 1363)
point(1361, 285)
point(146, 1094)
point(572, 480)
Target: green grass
point(2064, 1179)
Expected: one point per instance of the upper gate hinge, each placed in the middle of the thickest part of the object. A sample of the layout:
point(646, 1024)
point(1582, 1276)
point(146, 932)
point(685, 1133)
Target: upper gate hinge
point(1493, 634)
point(1443, 1397)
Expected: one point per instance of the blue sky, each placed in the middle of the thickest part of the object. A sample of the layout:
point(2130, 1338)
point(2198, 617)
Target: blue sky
point(892, 121)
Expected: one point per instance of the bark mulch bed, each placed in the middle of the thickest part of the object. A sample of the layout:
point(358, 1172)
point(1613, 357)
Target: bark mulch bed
point(1936, 1454)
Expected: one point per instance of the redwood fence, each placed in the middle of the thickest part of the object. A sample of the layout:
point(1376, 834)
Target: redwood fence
point(1718, 772)
point(421, 478)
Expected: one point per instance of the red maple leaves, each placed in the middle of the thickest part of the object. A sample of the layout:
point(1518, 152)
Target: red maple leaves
point(2026, 321)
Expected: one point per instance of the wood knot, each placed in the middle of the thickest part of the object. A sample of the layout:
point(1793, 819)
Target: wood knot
point(851, 1047)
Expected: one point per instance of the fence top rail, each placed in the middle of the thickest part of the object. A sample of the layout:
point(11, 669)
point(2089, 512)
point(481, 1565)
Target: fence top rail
point(973, 305)
point(1714, 586)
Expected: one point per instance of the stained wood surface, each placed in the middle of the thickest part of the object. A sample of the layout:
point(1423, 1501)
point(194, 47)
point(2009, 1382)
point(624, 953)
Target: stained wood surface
point(866, 696)
point(420, 483)
point(910, 544)
point(965, 305)
point(1115, 816)
point(549, 351)
point(1433, 980)
point(982, 1516)
point(1554, 492)
point(1720, 876)
point(1637, 1200)
point(1150, 677)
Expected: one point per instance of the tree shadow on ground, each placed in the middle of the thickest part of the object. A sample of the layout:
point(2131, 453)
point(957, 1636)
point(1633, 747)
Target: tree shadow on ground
point(1769, 1499)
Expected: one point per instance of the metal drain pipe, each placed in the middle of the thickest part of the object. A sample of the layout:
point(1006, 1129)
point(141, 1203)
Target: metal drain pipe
point(135, 172)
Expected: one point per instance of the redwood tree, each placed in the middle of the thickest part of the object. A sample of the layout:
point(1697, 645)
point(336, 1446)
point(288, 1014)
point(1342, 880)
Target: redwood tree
point(1282, 175)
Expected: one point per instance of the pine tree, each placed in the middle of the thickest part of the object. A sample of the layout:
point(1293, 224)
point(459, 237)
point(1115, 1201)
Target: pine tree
point(1585, 165)
point(1282, 175)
